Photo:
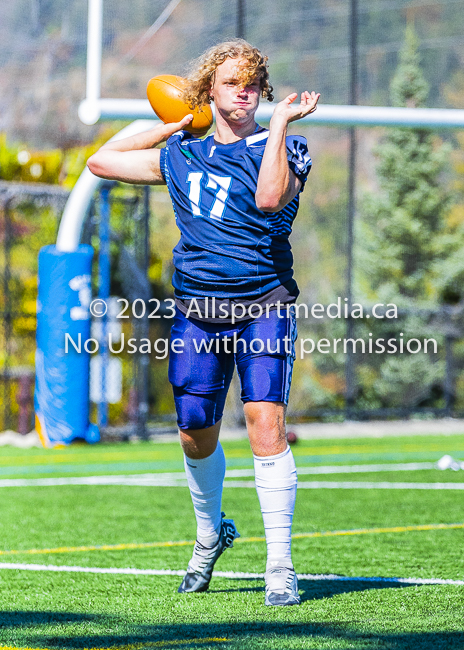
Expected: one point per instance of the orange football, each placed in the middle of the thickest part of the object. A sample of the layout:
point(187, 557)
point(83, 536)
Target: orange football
point(165, 96)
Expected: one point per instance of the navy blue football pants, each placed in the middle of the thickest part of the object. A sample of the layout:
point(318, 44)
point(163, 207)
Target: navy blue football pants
point(262, 349)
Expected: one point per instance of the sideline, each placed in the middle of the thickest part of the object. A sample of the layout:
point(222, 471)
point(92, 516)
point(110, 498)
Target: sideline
point(348, 429)
point(379, 429)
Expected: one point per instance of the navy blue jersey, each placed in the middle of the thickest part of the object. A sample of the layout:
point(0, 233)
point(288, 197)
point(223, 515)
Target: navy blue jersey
point(228, 248)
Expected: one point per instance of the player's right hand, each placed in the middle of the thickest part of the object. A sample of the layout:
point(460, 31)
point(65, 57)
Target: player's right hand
point(172, 127)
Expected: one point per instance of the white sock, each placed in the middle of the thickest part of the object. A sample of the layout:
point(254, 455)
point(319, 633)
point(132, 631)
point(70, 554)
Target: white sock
point(205, 478)
point(276, 480)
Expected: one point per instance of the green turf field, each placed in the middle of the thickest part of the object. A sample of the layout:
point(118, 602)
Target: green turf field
point(362, 512)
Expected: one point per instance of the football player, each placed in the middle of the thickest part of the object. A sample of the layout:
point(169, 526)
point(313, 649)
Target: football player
point(235, 195)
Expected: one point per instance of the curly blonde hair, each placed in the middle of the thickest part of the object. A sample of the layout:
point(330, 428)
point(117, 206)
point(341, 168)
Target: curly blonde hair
point(200, 77)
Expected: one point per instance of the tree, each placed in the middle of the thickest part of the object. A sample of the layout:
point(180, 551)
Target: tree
point(404, 223)
point(404, 241)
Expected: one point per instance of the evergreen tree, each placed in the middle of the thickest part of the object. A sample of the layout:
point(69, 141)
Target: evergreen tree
point(403, 225)
point(403, 239)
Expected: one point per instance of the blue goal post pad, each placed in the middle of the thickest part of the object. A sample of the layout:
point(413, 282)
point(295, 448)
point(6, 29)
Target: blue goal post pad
point(62, 378)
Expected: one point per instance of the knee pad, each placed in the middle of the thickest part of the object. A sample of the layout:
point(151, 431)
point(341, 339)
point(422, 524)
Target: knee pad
point(197, 411)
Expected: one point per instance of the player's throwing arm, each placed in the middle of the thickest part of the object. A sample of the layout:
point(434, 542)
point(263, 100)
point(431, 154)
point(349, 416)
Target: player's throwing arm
point(135, 159)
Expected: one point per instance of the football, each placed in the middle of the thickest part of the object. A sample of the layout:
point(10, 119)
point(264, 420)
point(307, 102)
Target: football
point(165, 96)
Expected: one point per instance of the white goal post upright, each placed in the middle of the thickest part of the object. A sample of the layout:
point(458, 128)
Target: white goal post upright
point(78, 203)
point(89, 108)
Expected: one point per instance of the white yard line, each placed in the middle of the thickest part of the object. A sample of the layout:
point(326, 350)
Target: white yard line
point(177, 479)
point(233, 575)
point(364, 485)
point(149, 480)
point(155, 482)
point(345, 469)
point(357, 485)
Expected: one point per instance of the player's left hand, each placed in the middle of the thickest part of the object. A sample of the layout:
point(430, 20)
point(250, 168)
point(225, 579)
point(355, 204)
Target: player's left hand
point(290, 112)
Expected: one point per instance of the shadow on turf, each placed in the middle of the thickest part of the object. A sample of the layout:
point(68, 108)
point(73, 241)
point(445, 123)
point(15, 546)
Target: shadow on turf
point(238, 635)
point(318, 589)
point(22, 619)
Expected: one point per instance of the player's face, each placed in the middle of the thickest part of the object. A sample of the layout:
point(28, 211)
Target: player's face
point(234, 101)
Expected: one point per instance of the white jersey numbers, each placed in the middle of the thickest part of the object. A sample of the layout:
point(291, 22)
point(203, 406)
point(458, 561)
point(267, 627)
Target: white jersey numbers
point(194, 178)
point(219, 184)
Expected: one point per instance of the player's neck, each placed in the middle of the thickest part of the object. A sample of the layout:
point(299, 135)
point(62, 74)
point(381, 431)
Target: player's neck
point(229, 132)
